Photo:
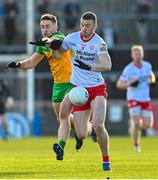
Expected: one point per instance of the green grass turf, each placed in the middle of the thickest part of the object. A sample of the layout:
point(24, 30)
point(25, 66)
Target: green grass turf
point(33, 158)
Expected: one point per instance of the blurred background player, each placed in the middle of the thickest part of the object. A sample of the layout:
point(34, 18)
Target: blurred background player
point(11, 13)
point(71, 13)
point(89, 58)
point(143, 10)
point(109, 33)
point(136, 78)
point(6, 100)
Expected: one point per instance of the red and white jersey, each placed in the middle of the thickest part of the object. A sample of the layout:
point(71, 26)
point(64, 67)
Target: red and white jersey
point(141, 92)
point(87, 52)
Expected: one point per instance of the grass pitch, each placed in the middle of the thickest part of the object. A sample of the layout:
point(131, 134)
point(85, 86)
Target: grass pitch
point(33, 158)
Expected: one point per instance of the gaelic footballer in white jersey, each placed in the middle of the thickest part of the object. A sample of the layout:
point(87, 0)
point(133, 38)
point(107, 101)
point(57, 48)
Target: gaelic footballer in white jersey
point(141, 92)
point(136, 78)
point(89, 57)
point(86, 51)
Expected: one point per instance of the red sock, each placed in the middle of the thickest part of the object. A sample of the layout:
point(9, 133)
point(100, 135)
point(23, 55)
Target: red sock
point(105, 158)
point(136, 144)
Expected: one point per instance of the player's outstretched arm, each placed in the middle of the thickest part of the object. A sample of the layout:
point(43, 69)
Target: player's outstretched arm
point(27, 63)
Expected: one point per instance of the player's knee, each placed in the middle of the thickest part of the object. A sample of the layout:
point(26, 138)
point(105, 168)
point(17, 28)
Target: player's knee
point(147, 124)
point(98, 127)
point(63, 115)
point(148, 120)
point(137, 124)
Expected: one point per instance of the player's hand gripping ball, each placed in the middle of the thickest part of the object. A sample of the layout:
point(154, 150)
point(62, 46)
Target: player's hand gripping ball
point(78, 95)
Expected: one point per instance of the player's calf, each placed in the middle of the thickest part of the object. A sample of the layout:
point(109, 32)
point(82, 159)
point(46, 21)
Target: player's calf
point(93, 136)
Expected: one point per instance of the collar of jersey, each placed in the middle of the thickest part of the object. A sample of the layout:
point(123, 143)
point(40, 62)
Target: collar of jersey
point(137, 66)
point(87, 39)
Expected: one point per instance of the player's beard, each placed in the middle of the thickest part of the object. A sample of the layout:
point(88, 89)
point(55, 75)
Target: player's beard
point(87, 35)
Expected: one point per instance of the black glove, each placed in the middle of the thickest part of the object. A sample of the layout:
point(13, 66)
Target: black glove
point(39, 42)
point(134, 84)
point(82, 65)
point(55, 44)
point(14, 64)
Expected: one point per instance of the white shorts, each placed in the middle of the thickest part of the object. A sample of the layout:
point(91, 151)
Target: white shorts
point(142, 109)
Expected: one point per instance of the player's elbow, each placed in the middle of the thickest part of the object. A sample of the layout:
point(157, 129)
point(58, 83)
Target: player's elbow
point(108, 64)
point(118, 85)
point(108, 67)
point(121, 85)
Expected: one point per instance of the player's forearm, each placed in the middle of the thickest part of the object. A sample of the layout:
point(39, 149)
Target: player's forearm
point(152, 79)
point(26, 64)
point(122, 85)
point(102, 66)
point(104, 63)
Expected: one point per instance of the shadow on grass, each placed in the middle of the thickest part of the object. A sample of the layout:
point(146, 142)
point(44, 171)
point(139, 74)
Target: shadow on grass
point(13, 174)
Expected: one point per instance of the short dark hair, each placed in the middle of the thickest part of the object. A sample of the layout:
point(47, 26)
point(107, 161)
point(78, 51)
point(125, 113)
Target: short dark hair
point(49, 17)
point(89, 16)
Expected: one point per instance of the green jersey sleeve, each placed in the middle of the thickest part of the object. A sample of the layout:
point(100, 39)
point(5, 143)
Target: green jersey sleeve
point(42, 50)
point(59, 35)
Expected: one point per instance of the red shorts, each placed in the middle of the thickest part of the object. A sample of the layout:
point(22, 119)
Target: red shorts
point(93, 92)
point(146, 105)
